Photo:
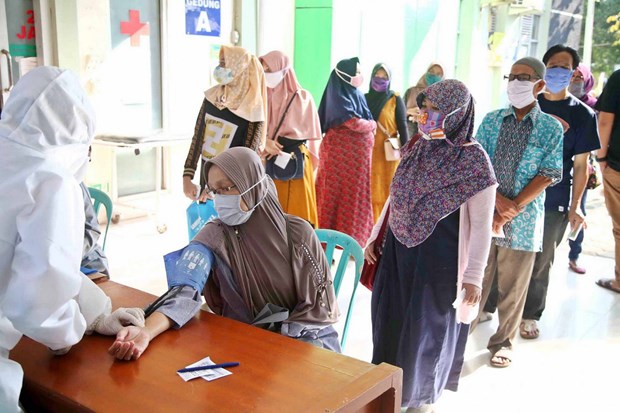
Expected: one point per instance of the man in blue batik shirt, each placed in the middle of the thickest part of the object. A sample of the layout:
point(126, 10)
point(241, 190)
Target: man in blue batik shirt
point(525, 148)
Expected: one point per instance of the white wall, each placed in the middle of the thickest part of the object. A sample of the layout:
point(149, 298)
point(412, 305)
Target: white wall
point(276, 27)
point(188, 62)
point(375, 32)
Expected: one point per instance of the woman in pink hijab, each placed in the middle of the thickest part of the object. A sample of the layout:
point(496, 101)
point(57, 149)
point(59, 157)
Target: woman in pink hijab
point(293, 121)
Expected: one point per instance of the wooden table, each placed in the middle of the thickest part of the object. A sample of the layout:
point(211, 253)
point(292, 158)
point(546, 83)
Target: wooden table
point(276, 374)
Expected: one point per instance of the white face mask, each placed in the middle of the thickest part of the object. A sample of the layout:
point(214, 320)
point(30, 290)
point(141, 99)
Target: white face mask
point(273, 79)
point(229, 210)
point(521, 93)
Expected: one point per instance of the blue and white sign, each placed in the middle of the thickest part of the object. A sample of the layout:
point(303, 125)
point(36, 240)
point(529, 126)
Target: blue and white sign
point(203, 17)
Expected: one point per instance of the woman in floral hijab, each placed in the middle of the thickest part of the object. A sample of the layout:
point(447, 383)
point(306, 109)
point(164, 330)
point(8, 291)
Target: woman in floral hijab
point(438, 238)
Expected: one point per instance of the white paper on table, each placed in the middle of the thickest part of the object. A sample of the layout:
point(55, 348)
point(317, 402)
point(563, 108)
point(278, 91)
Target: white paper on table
point(208, 375)
point(283, 159)
point(465, 313)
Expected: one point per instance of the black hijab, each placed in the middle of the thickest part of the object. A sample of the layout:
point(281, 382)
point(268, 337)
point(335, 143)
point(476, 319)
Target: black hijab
point(376, 100)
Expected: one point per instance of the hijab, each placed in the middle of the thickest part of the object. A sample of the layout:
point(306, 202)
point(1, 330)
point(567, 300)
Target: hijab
point(246, 95)
point(435, 177)
point(257, 252)
point(341, 101)
point(588, 85)
point(301, 121)
point(422, 83)
point(376, 100)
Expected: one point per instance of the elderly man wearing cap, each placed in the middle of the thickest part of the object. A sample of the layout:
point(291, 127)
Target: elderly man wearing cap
point(525, 147)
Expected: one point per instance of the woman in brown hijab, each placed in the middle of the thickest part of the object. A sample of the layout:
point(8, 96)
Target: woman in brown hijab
point(254, 264)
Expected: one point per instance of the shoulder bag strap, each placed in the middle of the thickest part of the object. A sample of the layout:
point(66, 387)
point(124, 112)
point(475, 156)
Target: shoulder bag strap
point(383, 129)
point(275, 134)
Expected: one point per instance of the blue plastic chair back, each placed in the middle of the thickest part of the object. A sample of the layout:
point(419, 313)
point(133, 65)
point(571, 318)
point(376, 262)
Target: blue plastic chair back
point(350, 248)
point(101, 198)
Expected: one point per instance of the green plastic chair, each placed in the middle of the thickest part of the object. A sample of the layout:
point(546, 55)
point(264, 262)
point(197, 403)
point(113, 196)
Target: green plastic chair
point(350, 248)
point(99, 197)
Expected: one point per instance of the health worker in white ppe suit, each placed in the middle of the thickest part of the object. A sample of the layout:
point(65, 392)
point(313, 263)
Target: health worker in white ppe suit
point(45, 131)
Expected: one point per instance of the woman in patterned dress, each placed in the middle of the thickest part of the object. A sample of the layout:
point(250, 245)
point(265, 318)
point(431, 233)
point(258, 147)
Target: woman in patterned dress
point(343, 178)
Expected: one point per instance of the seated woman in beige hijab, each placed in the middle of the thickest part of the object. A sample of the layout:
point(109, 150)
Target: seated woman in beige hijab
point(254, 264)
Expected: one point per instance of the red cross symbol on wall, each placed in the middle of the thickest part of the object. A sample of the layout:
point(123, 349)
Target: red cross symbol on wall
point(134, 28)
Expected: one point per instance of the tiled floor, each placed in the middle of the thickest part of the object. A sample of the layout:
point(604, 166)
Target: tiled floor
point(573, 367)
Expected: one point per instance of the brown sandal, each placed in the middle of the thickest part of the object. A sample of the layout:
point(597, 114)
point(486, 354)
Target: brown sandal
point(502, 358)
point(528, 329)
point(607, 284)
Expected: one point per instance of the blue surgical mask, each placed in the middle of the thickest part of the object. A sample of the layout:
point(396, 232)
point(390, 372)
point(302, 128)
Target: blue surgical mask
point(558, 78)
point(229, 210)
point(432, 79)
point(223, 75)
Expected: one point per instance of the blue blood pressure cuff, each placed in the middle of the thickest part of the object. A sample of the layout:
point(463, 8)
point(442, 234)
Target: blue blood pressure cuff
point(189, 266)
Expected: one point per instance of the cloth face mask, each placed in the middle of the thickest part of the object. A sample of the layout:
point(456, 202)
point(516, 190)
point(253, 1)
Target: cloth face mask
point(229, 210)
point(436, 132)
point(223, 75)
point(273, 79)
point(379, 84)
point(431, 78)
point(434, 120)
point(558, 78)
point(355, 81)
point(521, 93)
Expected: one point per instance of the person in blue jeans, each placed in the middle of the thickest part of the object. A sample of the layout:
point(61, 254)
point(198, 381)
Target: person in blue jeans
point(580, 86)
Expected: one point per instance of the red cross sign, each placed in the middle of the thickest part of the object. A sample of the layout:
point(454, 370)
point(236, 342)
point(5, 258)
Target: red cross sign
point(134, 28)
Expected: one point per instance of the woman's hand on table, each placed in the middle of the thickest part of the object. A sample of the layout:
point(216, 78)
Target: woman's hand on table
point(130, 343)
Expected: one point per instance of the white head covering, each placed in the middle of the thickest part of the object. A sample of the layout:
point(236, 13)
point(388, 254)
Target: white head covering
point(48, 112)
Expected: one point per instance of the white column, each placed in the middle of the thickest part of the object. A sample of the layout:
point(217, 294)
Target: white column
point(588, 34)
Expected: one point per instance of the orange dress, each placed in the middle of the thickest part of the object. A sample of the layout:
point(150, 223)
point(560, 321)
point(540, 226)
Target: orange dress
point(298, 196)
point(382, 171)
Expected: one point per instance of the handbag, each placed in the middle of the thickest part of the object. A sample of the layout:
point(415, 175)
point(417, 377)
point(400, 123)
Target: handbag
point(369, 271)
point(391, 145)
point(593, 176)
point(294, 169)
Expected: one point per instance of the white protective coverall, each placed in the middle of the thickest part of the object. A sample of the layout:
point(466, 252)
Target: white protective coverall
point(45, 131)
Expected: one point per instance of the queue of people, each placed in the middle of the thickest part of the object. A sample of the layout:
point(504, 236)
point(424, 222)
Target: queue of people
point(466, 215)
